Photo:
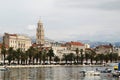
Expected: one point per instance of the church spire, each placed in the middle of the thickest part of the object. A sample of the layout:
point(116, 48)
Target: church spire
point(40, 33)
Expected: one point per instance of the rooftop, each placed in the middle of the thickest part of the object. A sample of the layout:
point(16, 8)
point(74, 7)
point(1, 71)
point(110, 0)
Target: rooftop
point(75, 43)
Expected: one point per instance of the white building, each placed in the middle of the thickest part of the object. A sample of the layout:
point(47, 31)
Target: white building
point(67, 48)
point(103, 49)
point(74, 45)
point(17, 41)
point(87, 46)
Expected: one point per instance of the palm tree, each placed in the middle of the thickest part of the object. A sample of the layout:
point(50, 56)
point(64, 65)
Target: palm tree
point(36, 56)
point(3, 51)
point(71, 57)
point(101, 56)
point(10, 55)
point(30, 53)
point(87, 55)
point(115, 56)
point(97, 58)
point(44, 55)
point(81, 53)
point(24, 57)
point(65, 57)
point(56, 59)
point(92, 55)
point(40, 56)
point(111, 56)
point(77, 53)
point(18, 55)
point(106, 57)
point(50, 54)
point(14, 54)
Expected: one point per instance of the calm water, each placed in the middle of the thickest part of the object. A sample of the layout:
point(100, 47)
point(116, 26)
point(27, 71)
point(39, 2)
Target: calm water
point(50, 73)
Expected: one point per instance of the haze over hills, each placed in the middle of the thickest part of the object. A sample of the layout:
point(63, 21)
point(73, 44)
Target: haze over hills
point(97, 43)
point(33, 38)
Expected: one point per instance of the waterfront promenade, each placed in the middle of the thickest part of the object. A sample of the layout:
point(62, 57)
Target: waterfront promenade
point(31, 66)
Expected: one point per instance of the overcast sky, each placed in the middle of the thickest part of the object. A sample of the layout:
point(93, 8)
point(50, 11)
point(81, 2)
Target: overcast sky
point(95, 20)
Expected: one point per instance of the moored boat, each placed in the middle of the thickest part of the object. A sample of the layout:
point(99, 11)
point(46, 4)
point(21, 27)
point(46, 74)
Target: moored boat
point(4, 68)
point(89, 73)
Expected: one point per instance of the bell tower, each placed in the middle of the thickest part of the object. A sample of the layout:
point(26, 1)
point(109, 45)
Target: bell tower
point(40, 33)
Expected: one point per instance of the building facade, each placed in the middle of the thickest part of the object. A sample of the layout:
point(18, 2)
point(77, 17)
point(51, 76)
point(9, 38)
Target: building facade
point(17, 41)
point(74, 45)
point(40, 34)
point(103, 49)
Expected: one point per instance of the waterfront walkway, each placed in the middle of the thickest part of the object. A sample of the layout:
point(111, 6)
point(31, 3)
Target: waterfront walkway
point(30, 66)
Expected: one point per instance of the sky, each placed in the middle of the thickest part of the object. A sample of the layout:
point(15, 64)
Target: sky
point(63, 20)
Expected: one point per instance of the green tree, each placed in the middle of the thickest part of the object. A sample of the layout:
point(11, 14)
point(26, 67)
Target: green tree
point(24, 57)
point(77, 53)
point(97, 58)
point(44, 56)
point(101, 56)
point(71, 57)
point(87, 55)
point(40, 56)
point(56, 59)
point(92, 56)
point(18, 55)
point(106, 57)
point(115, 56)
point(65, 57)
point(50, 54)
point(82, 57)
point(3, 52)
point(30, 53)
point(10, 55)
point(36, 56)
point(111, 56)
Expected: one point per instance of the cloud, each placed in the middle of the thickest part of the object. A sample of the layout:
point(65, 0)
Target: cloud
point(90, 4)
point(110, 5)
point(63, 19)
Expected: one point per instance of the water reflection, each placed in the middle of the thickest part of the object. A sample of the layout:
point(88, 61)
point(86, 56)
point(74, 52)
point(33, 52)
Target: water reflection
point(50, 73)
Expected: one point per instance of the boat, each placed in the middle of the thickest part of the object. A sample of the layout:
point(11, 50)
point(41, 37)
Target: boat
point(89, 73)
point(102, 73)
point(106, 73)
point(4, 68)
point(116, 72)
point(112, 64)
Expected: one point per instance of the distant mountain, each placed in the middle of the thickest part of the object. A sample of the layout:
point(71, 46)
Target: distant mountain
point(33, 38)
point(94, 43)
point(117, 44)
point(63, 42)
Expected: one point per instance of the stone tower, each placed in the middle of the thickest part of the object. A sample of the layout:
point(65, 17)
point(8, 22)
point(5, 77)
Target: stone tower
point(40, 33)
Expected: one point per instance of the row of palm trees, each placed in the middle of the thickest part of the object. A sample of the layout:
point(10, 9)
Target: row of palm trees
point(43, 56)
point(90, 57)
point(31, 56)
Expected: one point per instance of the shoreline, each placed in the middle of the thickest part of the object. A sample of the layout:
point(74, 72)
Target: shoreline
point(38, 66)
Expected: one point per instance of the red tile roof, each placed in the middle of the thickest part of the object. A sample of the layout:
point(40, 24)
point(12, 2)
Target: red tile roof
point(75, 43)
